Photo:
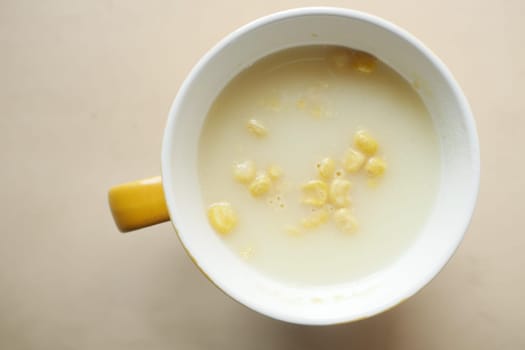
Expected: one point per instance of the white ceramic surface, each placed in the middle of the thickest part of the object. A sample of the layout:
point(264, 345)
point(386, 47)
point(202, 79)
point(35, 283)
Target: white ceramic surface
point(446, 224)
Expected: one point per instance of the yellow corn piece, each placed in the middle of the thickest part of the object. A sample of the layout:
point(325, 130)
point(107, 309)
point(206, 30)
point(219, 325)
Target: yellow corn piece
point(244, 172)
point(316, 193)
point(339, 189)
point(222, 217)
point(256, 128)
point(375, 167)
point(353, 160)
point(260, 185)
point(364, 62)
point(365, 143)
point(315, 219)
point(326, 168)
point(274, 172)
point(345, 221)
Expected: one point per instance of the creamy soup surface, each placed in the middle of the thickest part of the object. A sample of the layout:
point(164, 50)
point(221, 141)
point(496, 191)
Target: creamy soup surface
point(283, 121)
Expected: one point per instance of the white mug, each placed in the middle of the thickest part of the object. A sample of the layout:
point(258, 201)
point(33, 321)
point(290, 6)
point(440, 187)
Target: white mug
point(177, 197)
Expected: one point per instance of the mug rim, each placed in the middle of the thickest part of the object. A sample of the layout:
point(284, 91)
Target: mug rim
point(463, 105)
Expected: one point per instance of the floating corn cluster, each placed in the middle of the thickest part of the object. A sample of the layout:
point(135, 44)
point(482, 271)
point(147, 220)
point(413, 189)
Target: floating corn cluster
point(329, 194)
point(222, 216)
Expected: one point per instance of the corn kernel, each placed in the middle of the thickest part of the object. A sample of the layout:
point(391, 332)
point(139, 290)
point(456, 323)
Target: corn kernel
point(256, 128)
point(365, 143)
point(364, 62)
point(222, 217)
point(345, 221)
point(353, 160)
point(260, 185)
point(315, 219)
point(339, 189)
point(375, 167)
point(326, 168)
point(274, 172)
point(316, 193)
point(244, 172)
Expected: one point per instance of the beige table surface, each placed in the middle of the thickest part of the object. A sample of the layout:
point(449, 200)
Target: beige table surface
point(85, 87)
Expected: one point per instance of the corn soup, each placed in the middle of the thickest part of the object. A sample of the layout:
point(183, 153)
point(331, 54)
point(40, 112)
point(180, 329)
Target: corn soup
point(318, 165)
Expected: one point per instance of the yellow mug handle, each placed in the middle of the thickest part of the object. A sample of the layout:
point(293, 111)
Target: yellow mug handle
point(138, 204)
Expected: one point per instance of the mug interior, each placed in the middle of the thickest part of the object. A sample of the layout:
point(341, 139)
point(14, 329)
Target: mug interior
point(438, 238)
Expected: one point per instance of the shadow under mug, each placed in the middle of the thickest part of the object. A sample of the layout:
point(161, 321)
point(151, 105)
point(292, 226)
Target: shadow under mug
point(176, 196)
